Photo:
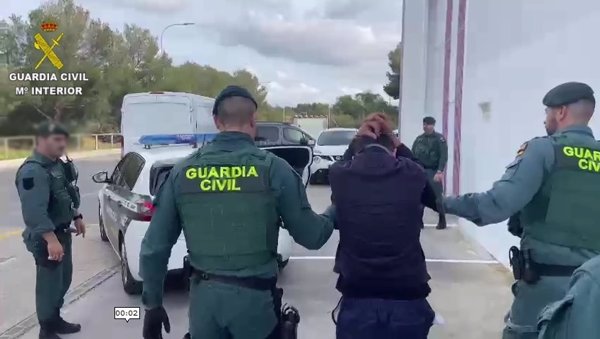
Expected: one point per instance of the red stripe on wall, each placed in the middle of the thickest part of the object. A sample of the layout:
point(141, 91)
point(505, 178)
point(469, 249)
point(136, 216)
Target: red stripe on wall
point(458, 95)
point(446, 79)
point(447, 56)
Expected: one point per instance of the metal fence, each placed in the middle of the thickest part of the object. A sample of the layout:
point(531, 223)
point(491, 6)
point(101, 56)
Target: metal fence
point(21, 146)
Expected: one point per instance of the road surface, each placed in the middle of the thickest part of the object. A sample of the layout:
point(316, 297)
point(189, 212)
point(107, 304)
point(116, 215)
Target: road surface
point(470, 289)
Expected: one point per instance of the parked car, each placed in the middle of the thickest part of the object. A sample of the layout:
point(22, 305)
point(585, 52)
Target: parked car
point(125, 203)
point(281, 133)
point(329, 148)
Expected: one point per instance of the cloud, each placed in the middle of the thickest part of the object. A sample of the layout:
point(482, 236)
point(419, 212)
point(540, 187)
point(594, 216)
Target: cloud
point(291, 93)
point(350, 90)
point(154, 5)
point(281, 75)
point(318, 41)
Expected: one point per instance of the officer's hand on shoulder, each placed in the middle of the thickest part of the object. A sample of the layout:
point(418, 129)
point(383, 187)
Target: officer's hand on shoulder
point(153, 323)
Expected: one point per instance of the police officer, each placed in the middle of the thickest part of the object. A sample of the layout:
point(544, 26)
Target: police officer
point(553, 186)
point(382, 272)
point(49, 202)
point(228, 198)
point(576, 315)
point(432, 151)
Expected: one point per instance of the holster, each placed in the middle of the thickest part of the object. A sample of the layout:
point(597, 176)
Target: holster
point(526, 269)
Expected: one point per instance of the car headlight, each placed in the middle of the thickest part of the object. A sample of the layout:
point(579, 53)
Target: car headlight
point(316, 159)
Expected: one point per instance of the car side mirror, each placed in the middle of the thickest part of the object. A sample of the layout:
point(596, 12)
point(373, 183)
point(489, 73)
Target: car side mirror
point(101, 178)
point(304, 142)
point(311, 142)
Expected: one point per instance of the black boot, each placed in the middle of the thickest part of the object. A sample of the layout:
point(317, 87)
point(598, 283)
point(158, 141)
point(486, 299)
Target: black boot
point(64, 327)
point(47, 331)
point(441, 224)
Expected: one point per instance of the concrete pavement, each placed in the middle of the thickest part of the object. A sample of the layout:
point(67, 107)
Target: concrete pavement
point(470, 290)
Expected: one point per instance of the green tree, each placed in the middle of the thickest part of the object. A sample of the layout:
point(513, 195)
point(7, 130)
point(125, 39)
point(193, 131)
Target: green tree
point(392, 88)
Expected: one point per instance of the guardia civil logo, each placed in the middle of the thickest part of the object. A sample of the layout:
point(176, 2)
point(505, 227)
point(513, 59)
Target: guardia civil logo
point(48, 43)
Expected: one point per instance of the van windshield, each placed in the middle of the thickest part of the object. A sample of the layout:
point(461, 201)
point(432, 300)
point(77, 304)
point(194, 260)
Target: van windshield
point(155, 118)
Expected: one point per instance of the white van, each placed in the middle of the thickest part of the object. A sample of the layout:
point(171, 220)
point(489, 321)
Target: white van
point(164, 113)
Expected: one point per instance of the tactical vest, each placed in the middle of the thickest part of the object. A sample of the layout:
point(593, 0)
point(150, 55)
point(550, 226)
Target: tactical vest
point(227, 209)
point(379, 216)
point(63, 195)
point(566, 210)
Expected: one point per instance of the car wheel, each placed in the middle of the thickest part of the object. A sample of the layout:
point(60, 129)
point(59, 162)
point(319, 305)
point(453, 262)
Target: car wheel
point(282, 263)
point(130, 285)
point(103, 235)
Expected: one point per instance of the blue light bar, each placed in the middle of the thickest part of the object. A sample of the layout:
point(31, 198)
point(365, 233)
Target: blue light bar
point(176, 139)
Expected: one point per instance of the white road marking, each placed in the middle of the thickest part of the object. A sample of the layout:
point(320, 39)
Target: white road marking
point(449, 261)
point(435, 225)
point(7, 261)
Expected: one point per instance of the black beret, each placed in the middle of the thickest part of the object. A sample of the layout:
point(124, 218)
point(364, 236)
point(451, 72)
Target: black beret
point(568, 93)
point(48, 128)
point(429, 121)
point(232, 91)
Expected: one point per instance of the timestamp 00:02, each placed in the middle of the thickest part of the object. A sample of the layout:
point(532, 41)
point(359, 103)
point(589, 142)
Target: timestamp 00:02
point(127, 313)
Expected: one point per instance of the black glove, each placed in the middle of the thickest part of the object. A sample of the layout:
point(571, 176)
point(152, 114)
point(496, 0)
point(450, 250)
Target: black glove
point(154, 321)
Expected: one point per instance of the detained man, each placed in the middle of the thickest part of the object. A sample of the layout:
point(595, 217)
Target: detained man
point(382, 272)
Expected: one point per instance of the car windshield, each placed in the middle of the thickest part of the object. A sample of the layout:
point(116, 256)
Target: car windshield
point(336, 138)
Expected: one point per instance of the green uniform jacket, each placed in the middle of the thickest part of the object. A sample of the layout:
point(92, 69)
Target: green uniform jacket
point(33, 187)
point(522, 179)
point(577, 315)
point(431, 150)
point(305, 226)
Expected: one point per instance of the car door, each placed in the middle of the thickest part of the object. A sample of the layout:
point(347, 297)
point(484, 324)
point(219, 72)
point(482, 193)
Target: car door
point(299, 157)
point(108, 208)
point(119, 194)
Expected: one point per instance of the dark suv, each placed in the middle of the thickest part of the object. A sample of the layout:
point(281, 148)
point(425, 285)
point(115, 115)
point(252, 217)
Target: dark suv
point(281, 133)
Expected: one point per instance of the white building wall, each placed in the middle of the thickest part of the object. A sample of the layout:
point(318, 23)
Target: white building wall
point(516, 50)
point(414, 69)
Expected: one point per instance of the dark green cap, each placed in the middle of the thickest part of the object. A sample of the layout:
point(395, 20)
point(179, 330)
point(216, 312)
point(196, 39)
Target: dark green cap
point(48, 128)
point(429, 120)
point(232, 91)
point(568, 93)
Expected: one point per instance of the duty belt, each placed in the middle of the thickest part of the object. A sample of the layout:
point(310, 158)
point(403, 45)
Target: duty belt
point(526, 269)
point(263, 284)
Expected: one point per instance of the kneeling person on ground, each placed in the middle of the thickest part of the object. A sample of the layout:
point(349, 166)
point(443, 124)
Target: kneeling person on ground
point(229, 198)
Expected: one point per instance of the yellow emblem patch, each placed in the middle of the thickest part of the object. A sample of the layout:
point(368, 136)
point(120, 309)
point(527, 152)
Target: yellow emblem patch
point(522, 149)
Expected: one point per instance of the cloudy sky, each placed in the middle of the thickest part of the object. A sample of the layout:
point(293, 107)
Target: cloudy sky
point(303, 50)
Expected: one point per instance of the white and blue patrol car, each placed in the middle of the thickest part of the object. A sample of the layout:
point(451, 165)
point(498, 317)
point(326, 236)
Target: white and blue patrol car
point(125, 199)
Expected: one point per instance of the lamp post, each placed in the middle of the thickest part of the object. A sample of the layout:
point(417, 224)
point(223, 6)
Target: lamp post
point(169, 26)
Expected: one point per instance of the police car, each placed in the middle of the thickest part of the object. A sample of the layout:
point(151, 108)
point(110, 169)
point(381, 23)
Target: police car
point(125, 201)
point(329, 148)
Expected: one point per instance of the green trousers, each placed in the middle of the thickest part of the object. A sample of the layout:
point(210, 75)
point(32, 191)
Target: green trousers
point(222, 311)
point(53, 278)
point(530, 300)
point(439, 192)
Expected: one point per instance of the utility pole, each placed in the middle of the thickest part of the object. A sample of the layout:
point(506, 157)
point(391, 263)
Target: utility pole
point(328, 115)
point(283, 118)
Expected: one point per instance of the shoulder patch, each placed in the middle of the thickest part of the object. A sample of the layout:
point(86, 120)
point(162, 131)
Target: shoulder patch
point(442, 139)
point(522, 149)
point(28, 183)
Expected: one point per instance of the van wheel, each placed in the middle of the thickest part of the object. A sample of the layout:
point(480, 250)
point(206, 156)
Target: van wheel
point(130, 285)
point(103, 235)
